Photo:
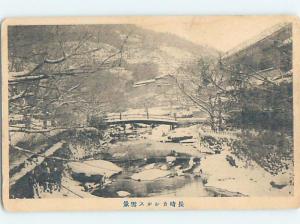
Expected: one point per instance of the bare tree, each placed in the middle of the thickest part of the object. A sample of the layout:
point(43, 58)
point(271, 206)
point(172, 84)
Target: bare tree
point(203, 83)
point(41, 78)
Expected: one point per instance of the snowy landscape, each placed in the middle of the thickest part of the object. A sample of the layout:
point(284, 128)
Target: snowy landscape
point(122, 110)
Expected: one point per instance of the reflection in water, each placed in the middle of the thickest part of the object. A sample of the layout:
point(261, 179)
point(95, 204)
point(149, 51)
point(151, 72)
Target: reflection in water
point(132, 155)
point(167, 186)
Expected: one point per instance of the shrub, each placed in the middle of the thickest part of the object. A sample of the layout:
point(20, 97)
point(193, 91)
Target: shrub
point(271, 150)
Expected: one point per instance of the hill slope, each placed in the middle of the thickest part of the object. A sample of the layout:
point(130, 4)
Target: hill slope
point(147, 54)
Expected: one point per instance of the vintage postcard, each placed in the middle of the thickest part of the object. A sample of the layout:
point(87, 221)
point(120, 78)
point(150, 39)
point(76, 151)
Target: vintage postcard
point(150, 113)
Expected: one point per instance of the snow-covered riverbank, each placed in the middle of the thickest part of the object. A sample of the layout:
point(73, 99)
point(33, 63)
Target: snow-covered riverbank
point(162, 162)
point(251, 181)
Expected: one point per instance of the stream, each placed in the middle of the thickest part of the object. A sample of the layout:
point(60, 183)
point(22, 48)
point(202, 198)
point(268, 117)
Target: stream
point(166, 186)
point(134, 154)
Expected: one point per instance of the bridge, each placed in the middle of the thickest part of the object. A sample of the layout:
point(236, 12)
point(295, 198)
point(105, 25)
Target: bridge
point(123, 119)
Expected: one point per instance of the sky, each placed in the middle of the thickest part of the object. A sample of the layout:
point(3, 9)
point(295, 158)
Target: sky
point(221, 33)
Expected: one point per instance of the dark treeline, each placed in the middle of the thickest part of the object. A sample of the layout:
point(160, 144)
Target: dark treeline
point(269, 108)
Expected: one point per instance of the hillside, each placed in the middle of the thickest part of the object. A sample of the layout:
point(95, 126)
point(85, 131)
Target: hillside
point(146, 54)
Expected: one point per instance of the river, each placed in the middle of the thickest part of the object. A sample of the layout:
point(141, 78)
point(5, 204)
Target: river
point(148, 147)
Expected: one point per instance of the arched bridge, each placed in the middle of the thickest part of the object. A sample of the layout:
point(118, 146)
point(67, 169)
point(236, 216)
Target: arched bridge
point(140, 118)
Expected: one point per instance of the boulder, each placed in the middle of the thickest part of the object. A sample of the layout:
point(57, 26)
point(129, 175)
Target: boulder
point(178, 167)
point(278, 185)
point(150, 174)
point(164, 167)
point(170, 159)
point(231, 160)
point(119, 154)
point(188, 141)
point(94, 168)
point(123, 194)
point(149, 166)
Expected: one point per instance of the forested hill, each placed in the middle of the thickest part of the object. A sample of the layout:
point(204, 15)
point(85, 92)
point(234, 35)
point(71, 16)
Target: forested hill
point(138, 54)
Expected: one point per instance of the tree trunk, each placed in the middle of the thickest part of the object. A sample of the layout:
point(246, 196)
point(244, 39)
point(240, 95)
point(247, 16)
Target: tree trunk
point(45, 119)
point(212, 123)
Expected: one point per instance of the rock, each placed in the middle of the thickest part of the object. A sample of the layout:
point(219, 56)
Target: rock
point(141, 125)
point(218, 192)
point(164, 167)
point(178, 167)
point(150, 174)
point(197, 160)
point(217, 151)
point(107, 181)
point(178, 139)
point(197, 171)
point(231, 160)
point(94, 167)
point(119, 155)
point(179, 170)
point(180, 173)
point(278, 185)
point(191, 165)
point(89, 186)
point(149, 166)
point(191, 162)
point(172, 175)
point(188, 141)
point(170, 159)
point(123, 193)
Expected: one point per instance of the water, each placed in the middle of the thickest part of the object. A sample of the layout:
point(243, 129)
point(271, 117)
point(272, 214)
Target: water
point(167, 186)
point(140, 151)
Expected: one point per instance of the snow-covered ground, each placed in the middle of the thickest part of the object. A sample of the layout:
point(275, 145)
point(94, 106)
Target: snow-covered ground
point(251, 181)
point(157, 142)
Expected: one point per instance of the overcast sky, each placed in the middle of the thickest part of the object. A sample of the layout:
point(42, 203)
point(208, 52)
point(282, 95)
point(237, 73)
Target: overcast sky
point(222, 33)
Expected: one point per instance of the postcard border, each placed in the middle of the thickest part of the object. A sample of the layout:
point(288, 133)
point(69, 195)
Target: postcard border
point(191, 203)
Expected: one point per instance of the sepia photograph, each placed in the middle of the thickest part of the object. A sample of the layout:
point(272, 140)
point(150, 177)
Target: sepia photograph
point(149, 112)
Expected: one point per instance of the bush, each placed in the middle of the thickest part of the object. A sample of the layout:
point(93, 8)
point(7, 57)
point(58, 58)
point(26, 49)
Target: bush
point(213, 143)
point(271, 150)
